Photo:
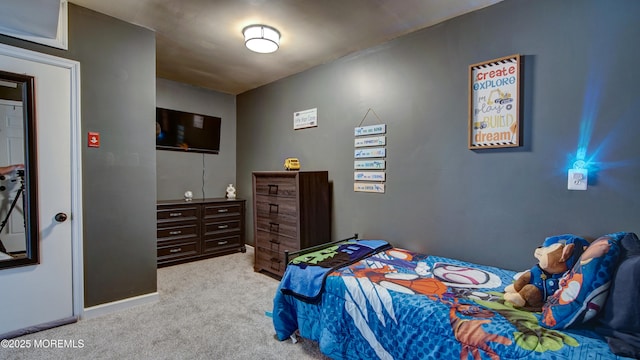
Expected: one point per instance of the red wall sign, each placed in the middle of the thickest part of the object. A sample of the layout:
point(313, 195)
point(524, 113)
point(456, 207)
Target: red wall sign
point(94, 139)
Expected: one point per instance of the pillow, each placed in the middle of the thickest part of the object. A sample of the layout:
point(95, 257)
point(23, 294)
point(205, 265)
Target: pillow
point(619, 320)
point(630, 246)
point(583, 290)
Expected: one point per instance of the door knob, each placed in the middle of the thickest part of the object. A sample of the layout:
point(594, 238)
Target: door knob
point(61, 217)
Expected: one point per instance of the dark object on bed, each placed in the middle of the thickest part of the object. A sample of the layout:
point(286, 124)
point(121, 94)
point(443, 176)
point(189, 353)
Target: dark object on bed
point(619, 322)
point(306, 272)
point(288, 255)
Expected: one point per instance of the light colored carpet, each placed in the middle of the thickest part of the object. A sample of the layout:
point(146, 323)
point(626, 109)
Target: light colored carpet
point(208, 309)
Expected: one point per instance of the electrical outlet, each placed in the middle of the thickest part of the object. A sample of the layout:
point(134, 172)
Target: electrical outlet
point(577, 179)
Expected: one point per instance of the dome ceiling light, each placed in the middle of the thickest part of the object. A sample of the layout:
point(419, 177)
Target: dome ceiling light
point(261, 38)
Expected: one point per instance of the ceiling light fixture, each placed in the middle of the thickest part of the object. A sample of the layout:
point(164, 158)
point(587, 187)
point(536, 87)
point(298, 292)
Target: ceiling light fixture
point(261, 38)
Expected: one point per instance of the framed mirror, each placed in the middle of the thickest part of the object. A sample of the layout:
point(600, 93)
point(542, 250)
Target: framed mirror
point(19, 235)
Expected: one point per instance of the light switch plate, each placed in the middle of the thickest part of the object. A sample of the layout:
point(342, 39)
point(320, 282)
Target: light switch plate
point(577, 179)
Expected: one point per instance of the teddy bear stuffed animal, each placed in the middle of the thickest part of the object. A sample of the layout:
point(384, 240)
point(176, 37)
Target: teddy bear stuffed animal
point(556, 255)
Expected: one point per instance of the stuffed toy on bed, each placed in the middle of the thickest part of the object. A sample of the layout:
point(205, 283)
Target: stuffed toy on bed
point(555, 257)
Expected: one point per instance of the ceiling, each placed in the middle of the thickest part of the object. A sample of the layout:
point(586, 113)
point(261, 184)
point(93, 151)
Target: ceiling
point(199, 42)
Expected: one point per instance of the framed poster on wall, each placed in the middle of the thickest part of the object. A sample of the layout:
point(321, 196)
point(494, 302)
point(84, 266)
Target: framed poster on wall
point(494, 99)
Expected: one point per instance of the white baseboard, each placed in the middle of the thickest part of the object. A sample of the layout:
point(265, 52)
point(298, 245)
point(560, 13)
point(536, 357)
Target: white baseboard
point(103, 309)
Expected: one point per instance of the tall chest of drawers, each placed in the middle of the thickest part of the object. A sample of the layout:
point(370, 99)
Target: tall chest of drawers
point(199, 229)
point(291, 211)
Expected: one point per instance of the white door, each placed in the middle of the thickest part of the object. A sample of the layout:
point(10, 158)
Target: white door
point(43, 293)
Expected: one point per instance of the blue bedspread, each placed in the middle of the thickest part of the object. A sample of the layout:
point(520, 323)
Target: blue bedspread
point(402, 305)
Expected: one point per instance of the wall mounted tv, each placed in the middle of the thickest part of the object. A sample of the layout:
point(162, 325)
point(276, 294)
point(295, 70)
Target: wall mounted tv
point(185, 131)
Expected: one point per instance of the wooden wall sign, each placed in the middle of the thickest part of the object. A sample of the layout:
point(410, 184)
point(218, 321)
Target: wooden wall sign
point(370, 153)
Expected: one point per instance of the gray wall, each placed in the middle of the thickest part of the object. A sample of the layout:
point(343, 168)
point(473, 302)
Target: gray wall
point(206, 174)
point(118, 100)
point(492, 206)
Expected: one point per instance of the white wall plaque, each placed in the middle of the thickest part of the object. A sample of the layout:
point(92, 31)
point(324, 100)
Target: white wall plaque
point(369, 175)
point(369, 164)
point(369, 187)
point(370, 141)
point(305, 119)
point(370, 153)
point(370, 130)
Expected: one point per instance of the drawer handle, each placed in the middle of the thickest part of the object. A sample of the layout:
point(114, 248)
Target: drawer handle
point(275, 264)
point(223, 226)
point(273, 189)
point(223, 210)
point(273, 227)
point(177, 232)
point(222, 242)
point(175, 250)
point(175, 214)
point(275, 246)
point(272, 207)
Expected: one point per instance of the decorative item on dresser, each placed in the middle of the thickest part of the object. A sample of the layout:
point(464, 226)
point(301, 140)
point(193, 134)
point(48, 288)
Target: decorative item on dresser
point(291, 210)
point(199, 229)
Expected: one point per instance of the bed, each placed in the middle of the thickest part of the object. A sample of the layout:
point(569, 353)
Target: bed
point(391, 303)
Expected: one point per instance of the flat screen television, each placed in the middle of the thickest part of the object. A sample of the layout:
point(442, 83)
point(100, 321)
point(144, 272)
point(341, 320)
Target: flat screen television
point(185, 131)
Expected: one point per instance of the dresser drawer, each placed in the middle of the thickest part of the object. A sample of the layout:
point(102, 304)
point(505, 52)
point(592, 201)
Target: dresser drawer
point(221, 210)
point(276, 186)
point(276, 242)
point(276, 207)
point(220, 243)
point(277, 226)
point(176, 251)
point(177, 213)
point(222, 226)
point(270, 261)
point(186, 230)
